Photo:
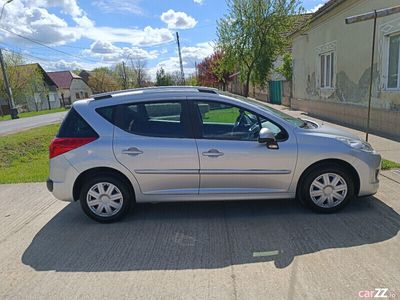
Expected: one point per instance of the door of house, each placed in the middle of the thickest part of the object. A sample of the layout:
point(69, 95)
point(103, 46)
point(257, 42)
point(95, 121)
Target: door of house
point(275, 91)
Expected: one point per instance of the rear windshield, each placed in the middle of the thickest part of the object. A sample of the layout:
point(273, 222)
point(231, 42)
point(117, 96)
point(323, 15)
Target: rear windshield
point(75, 126)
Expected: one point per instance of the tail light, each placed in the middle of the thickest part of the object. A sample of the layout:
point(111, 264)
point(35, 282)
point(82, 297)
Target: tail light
point(62, 145)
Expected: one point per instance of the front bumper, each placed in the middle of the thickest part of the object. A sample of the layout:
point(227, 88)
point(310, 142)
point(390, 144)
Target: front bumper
point(368, 166)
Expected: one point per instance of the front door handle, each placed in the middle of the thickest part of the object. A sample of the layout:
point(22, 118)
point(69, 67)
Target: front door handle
point(213, 153)
point(132, 151)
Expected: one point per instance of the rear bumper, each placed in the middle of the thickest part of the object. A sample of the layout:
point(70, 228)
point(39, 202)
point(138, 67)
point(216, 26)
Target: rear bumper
point(62, 178)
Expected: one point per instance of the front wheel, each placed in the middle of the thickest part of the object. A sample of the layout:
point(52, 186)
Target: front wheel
point(105, 199)
point(327, 188)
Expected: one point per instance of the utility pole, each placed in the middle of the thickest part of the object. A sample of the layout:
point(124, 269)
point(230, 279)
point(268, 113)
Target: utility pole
point(123, 69)
point(13, 110)
point(364, 17)
point(180, 59)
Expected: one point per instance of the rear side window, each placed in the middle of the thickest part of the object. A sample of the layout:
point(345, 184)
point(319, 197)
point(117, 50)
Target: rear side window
point(156, 119)
point(75, 126)
point(106, 112)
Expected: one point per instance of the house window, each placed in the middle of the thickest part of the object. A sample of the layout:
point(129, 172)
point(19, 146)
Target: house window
point(86, 95)
point(52, 97)
point(327, 69)
point(77, 96)
point(394, 62)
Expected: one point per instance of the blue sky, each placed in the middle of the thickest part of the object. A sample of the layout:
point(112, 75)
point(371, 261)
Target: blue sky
point(93, 33)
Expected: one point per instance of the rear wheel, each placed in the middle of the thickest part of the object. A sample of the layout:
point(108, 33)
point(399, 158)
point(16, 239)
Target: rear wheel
point(327, 188)
point(105, 199)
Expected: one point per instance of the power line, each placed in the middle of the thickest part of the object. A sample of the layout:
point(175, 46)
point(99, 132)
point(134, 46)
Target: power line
point(46, 46)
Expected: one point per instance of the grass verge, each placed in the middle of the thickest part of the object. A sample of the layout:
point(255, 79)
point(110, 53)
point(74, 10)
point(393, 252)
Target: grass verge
point(388, 164)
point(24, 156)
point(33, 113)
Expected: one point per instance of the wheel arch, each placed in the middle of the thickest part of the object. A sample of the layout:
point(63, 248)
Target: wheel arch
point(100, 171)
point(352, 171)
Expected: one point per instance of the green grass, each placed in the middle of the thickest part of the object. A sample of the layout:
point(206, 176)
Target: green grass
point(388, 164)
point(33, 113)
point(227, 115)
point(24, 156)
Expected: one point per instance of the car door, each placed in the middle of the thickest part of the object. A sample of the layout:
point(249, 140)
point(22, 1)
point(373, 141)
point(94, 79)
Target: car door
point(154, 141)
point(231, 158)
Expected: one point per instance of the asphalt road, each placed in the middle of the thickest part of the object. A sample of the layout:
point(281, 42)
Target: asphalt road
point(216, 250)
point(11, 126)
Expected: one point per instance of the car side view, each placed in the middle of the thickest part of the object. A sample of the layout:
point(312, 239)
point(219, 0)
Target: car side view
point(193, 144)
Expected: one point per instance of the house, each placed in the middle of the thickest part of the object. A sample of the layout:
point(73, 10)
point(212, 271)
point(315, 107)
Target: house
point(70, 86)
point(32, 89)
point(331, 67)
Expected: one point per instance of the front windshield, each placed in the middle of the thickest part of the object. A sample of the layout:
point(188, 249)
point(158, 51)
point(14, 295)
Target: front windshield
point(295, 121)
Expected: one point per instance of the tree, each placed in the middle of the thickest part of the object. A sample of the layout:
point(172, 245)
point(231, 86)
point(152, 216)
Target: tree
point(25, 80)
point(139, 67)
point(286, 69)
point(192, 80)
point(163, 78)
point(125, 76)
point(212, 72)
point(205, 73)
point(253, 34)
point(101, 81)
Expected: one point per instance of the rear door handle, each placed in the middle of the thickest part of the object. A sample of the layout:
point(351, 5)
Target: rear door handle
point(212, 153)
point(132, 151)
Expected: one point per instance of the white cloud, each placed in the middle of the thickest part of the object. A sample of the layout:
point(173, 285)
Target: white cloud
point(178, 20)
point(119, 6)
point(36, 23)
point(110, 53)
point(197, 52)
point(63, 65)
point(68, 7)
point(318, 6)
point(136, 37)
point(32, 19)
point(198, 1)
point(190, 55)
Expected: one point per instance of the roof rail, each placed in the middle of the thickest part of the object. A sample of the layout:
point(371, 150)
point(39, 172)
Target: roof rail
point(157, 89)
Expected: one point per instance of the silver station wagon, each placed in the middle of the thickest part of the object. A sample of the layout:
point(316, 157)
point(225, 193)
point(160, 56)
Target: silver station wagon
point(193, 144)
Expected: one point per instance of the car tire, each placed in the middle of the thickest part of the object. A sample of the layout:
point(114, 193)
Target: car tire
point(105, 198)
point(327, 188)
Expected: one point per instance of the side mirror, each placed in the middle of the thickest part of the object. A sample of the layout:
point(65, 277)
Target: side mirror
point(267, 137)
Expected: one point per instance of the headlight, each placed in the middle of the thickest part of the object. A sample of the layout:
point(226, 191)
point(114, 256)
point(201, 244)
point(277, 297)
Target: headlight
point(357, 144)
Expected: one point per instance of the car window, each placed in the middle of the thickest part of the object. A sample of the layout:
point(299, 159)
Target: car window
point(227, 122)
point(75, 126)
point(157, 119)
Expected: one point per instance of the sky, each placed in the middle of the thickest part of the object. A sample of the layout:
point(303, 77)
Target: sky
point(84, 34)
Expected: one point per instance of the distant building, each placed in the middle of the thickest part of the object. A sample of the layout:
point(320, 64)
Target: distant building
point(85, 75)
point(331, 66)
point(70, 86)
point(32, 94)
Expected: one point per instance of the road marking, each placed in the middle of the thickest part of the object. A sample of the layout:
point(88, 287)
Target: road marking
point(397, 172)
point(265, 253)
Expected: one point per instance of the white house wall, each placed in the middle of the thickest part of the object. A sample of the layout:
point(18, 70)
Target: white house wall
point(347, 100)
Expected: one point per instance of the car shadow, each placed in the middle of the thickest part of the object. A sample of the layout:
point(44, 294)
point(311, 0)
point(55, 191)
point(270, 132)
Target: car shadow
point(176, 236)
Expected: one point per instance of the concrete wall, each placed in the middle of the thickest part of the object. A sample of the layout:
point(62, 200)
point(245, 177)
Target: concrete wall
point(78, 86)
point(347, 100)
